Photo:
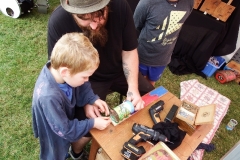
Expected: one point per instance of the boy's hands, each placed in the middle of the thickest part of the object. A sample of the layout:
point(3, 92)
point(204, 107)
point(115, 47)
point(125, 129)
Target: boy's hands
point(93, 111)
point(102, 106)
point(101, 122)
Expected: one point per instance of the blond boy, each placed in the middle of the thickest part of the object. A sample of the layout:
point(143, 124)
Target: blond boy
point(62, 85)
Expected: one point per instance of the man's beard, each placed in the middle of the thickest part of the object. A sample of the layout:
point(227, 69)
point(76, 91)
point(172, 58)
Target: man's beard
point(96, 37)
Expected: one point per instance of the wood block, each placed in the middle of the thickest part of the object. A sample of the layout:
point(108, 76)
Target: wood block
point(188, 128)
point(187, 112)
point(209, 6)
point(235, 67)
point(159, 151)
point(205, 115)
point(197, 4)
point(223, 11)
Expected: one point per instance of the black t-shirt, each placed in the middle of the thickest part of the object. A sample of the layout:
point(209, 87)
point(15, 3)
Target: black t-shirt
point(121, 36)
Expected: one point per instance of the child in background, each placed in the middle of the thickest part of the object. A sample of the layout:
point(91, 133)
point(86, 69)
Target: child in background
point(159, 23)
point(62, 85)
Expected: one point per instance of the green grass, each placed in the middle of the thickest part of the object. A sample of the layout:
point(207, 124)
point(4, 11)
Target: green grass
point(23, 52)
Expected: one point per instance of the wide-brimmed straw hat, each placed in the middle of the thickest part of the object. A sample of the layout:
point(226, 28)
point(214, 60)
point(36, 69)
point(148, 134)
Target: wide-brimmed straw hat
point(83, 6)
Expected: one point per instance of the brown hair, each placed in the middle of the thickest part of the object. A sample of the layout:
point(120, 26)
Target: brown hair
point(76, 52)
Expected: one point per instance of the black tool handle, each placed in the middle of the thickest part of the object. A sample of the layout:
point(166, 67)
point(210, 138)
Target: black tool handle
point(154, 116)
point(171, 113)
point(154, 111)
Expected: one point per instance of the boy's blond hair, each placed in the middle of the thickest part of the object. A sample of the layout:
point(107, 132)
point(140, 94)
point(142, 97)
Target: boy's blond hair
point(76, 52)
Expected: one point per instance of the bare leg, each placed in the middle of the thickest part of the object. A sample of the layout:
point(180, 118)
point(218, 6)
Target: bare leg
point(79, 145)
point(152, 82)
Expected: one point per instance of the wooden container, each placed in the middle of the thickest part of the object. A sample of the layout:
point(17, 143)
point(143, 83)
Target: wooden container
point(188, 128)
point(195, 115)
point(189, 116)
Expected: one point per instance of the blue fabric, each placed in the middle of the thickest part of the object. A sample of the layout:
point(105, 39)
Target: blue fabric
point(53, 115)
point(66, 89)
point(153, 73)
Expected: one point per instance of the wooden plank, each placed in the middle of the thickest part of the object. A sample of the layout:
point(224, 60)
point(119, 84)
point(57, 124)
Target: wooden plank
point(93, 150)
point(209, 6)
point(197, 4)
point(113, 137)
point(223, 11)
point(234, 66)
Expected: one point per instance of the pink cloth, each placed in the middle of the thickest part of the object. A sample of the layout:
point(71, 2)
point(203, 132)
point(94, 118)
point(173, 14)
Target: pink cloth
point(201, 95)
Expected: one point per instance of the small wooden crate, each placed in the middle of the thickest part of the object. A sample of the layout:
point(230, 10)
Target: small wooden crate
point(189, 116)
point(188, 128)
point(195, 115)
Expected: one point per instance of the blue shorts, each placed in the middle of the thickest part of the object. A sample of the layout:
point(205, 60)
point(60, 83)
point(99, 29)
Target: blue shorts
point(153, 73)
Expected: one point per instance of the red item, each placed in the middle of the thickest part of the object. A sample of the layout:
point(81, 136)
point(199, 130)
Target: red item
point(225, 76)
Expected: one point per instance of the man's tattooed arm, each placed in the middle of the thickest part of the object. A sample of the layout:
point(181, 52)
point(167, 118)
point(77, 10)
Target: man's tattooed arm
point(126, 70)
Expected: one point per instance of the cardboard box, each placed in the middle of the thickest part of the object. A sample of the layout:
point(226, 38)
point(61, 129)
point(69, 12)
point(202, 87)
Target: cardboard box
point(159, 151)
point(194, 115)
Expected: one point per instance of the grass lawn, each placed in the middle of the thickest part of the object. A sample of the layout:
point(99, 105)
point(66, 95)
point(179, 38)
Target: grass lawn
point(23, 52)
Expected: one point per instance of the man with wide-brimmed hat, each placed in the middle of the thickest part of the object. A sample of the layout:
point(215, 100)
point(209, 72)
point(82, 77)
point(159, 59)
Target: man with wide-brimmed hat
point(109, 26)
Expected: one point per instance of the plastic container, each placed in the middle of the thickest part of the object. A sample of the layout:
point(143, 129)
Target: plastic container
point(210, 68)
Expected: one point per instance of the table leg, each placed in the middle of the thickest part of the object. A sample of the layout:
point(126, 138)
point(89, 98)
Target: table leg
point(93, 150)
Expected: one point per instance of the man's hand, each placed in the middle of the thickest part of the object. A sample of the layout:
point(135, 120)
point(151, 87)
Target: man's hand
point(136, 99)
point(130, 69)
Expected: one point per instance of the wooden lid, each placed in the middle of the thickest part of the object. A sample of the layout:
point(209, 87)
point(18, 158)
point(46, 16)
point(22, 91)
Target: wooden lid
point(205, 114)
